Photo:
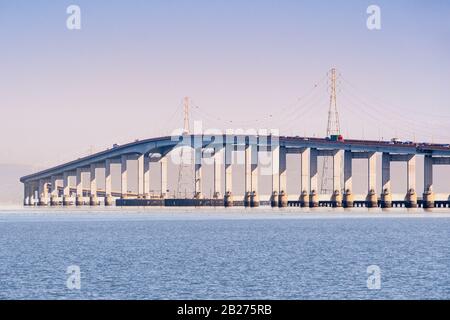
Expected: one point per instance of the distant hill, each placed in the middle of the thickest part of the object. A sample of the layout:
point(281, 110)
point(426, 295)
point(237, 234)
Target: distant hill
point(11, 190)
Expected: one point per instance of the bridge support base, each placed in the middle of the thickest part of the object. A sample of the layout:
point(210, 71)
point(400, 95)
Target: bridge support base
point(386, 199)
point(313, 199)
point(247, 199)
point(228, 199)
point(67, 201)
point(371, 199)
point(304, 199)
point(93, 201)
point(347, 202)
point(411, 199)
point(109, 201)
point(254, 200)
point(274, 200)
point(336, 199)
point(79, 201)
point(54, 201)
point(282, 200)
point(428, 199)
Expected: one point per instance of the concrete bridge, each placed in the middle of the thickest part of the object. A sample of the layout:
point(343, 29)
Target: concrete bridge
point(41, 188)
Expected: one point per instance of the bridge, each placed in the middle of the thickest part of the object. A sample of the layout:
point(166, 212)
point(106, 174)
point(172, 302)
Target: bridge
point(42, 188)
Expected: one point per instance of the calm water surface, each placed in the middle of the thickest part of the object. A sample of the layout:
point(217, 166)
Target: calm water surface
point(223, 254)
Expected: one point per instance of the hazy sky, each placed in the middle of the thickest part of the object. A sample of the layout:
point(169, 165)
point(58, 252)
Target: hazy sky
point(124, 74)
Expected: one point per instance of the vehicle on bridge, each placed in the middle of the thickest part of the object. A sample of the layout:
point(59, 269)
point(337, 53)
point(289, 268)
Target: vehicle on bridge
point(335, 137)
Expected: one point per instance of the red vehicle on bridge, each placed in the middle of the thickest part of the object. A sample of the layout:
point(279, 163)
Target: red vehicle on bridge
point(336, 137)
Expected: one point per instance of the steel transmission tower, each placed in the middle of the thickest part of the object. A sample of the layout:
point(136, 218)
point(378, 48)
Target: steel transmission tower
point(333, 128)
point(185, 169)
point(186, 127)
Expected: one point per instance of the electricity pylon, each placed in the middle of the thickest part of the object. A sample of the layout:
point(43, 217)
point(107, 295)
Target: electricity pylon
point(333, 128)
point(185, 169)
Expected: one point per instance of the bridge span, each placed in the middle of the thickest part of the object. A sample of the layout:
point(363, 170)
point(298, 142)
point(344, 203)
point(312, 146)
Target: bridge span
point(42, 188)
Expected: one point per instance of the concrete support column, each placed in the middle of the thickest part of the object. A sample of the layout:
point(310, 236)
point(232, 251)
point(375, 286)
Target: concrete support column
point(304, 178)
point(43, 192)
point(372, 198)
point(147, 177)
point(337, 196)
point(428, 173)
point(248, 175)
point(66, 187)
point(386, 172)
point(198, 151)
point(218, 163)
point(411, 196)
point(140, 176)
point(254, 198)
point(313, 177)
point(251, 198)
point(163, 163)
point(275, 152)
point(93, 200)
point(348, 171)
point(54, 191)
point(26, 194)
point(29, 193)
point(428, 195)
point(228, 198)
point(66, 198)
point(348, 179)
point(36, 193)
point(337, 159)
point(108, 183)
point(33, 196)
point(283, 198)
point(411, 173)
point(386, 197)
point(124, 176)
point(79, 182)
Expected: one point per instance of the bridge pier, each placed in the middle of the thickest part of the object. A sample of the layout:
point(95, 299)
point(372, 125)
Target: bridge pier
point(304, 177)
point(146, 182)
point(428, 195)
point(386, 197)
point(163, 167)
point(313, 178)
point(251, 175)
point(32, 190)
point(67, 197)
point(140, 176)
point(247, 175)
point(93, 200)
point(26, 194)
point(275, 152)
point(54, 195)
point(372, 199)
point(198, 155)
point(108, 183)
point(124, 176)
point(282, 198)
point(336, 199)
point(218, 163)
point(79, 201)
point(228, 197)
point(347, 201)
point(43, 192)
point(411, 196)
